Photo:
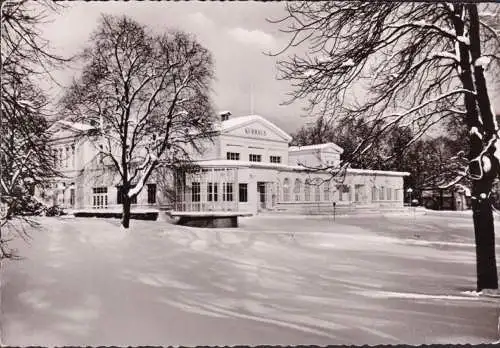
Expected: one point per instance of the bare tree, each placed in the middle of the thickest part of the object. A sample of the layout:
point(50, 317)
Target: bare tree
point(412, 64)
point(148, 93)
point(25, 160)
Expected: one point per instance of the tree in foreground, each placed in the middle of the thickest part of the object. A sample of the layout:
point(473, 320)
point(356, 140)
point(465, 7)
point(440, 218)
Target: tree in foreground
point(149, 94)
point(415, 65)
point(25, 159)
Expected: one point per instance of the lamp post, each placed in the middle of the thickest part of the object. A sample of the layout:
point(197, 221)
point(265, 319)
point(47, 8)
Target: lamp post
point(410, 190)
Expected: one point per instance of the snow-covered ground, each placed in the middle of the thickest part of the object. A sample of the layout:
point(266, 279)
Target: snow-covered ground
point(275, 280)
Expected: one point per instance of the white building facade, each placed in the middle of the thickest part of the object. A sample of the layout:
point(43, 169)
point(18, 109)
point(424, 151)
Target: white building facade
point(248, 167)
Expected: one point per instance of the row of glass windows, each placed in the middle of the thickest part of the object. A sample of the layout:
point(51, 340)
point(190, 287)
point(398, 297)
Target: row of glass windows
point(100, 196)
point(213, 192)
point(313, 190)
point(64, 156)
point(235, 156)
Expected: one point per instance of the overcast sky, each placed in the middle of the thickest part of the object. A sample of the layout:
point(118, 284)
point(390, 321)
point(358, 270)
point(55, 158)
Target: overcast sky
point(236, 33)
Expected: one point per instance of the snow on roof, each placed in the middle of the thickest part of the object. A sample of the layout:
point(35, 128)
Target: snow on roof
point(236, 122)
point(315, 147)
point(76, 125)
point(235, 164)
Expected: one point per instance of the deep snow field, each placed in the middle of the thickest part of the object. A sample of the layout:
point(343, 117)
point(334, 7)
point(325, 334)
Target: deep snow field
point(276, 279)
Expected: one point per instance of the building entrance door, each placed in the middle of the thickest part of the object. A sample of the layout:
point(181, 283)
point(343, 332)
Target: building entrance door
point(261, 189)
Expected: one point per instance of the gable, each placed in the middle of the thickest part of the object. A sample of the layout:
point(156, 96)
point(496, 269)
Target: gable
point(333, 149)
point(259, 129)
point(325, 148)
point(62, 133)
point(64, 129)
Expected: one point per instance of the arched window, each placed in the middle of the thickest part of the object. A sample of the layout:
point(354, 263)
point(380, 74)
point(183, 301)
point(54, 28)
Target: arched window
point(60, 157)
point(326, 190)
point(374, 194)
point(286, 190)
point(317, 191)
point(67, 158)
point(297, 189)
point(307, 190)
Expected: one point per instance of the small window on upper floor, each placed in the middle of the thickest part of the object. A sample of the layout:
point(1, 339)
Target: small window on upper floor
point(235, 156)
point(255, 158)
point(275, 159)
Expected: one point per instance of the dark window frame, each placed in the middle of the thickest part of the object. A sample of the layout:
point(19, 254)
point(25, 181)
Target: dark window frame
point(253, 157)
point(233, 156)
point(243, 192)
point(151, 193)
point(228, 192)
point(195, 191)
point(275, 159)
point(212, 192)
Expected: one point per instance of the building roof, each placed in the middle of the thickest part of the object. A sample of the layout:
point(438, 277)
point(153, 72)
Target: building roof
point(236, 122)
point(76, 126)
point(316, 147)
point(246, 164)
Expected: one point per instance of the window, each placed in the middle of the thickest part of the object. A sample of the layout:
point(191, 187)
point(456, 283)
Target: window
point(344, 189)
point(72, 196)
point(235, 156)
point(286, 190)
point(275, 159)
point(317, 192)
point(374, 194)
point(195, 192)
point(307, 190)
point(151, 193)
point(100, 197)
point(73, 158)
point(326, 191)
point(297, 189)
point(227, 195)
point(60, 157)
point(396, 195)
point(67, 158)
point(212, 192)
point(389, 194)
point(243, 192)
point(120, 195)
point(381, 194)
point(255, 158)
point(358, 193)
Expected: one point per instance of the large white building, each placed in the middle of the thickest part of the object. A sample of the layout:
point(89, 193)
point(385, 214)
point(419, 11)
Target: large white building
point(249, 167)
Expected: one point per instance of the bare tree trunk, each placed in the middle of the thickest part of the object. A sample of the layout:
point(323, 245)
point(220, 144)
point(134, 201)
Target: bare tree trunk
point(484, 229)
point(484, 232)
point(126, 211)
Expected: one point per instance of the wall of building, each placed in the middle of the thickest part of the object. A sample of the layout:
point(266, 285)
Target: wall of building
point(246, 146)
point(314, 158)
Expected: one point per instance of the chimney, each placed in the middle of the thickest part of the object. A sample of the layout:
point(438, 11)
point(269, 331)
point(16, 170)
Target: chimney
point(224, 115)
